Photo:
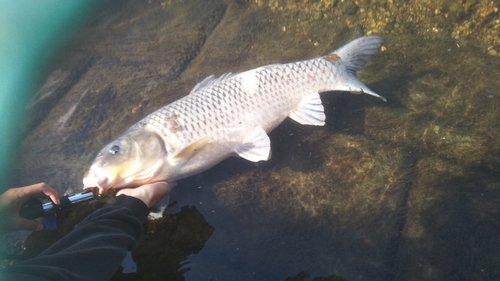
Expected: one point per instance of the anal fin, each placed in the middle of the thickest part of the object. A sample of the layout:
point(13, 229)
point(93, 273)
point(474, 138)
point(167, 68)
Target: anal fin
point(310, 111)
point(256, 147)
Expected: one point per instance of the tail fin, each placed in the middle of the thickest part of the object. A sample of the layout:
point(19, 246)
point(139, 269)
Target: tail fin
point(354, 56)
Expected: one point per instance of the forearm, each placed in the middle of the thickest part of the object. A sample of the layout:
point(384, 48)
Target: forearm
point(94, 249)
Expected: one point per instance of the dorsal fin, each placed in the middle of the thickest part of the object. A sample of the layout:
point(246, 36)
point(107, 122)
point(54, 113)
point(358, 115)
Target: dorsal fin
point(210, 80)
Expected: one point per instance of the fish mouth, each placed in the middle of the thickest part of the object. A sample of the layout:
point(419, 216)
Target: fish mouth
point(92, 179)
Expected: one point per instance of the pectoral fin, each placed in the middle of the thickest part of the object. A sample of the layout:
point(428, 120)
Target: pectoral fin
point(184, 154)
point(310, 111)
point(257, 147)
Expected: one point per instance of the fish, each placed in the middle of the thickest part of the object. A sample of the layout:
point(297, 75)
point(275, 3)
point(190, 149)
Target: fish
point(228, 116)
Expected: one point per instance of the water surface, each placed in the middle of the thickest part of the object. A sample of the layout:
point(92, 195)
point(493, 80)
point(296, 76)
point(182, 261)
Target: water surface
point(402, 190)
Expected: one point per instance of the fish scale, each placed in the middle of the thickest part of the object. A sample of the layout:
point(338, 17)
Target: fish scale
point(228, 116)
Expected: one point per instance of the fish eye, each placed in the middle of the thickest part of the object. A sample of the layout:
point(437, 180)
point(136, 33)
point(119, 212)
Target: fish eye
point(114, 149)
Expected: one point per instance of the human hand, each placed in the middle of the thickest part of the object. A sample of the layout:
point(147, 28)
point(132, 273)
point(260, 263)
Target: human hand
point(11, 201)
point(149, 193)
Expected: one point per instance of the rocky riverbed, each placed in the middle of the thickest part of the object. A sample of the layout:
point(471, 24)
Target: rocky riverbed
point(403, 190)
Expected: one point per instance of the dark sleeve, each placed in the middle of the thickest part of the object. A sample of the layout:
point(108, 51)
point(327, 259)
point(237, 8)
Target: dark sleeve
point(94, 250)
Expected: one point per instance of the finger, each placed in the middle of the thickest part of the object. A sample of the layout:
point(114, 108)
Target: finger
point(171, 185)
point(148, 193)
point(159, 188)
point(164, 185)
point(51, 193)
point(25, 224)
point(42, 189)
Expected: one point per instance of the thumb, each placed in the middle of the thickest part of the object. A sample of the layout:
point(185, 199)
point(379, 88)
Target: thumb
point(25, 224)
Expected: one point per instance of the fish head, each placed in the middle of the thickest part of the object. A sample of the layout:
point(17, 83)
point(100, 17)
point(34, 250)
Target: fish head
point(134, 158)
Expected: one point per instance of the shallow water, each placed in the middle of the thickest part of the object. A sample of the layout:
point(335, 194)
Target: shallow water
point(402, 190)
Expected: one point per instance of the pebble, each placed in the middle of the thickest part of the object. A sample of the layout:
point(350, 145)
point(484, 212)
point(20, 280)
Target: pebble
point(477, 20)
